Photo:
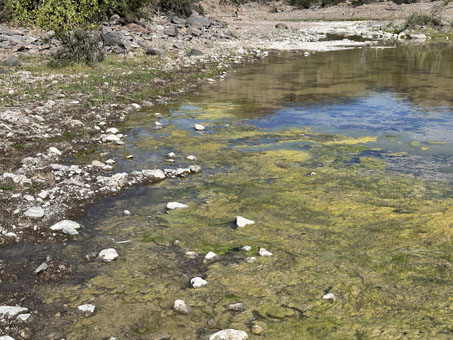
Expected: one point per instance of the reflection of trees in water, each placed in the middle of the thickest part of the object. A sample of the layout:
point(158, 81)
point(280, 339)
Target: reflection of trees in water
point(423, 74)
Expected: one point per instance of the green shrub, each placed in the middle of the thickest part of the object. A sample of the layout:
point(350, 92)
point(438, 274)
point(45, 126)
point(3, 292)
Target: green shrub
point(79, 46)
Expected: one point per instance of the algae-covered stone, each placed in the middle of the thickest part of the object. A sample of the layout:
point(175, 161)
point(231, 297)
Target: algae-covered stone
point(229, 334)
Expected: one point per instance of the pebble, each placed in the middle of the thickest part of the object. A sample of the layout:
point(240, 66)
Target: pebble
point(246, 248)
point(126, 213)
point(329, 297)
point(158, 124)
point(171, 155)
point(198, 282)
point(29, 198)
point(43, 194)
point(191, 158)
point(87, 309)
point(181, 306)
point(229, 334)
point(236, 307)
point(251, 259)
point(97, 164)
point(199, 127)
point(195, 169)
point(112, 131)
point(42, 267)
point(210, 257)
point(35, 212)
point(264, 252)
point(257, 329)
point(241, 222)
point(176, 205)
point(130, 156)
point(108, 255)
point(23, 317)
point(25, 333)
point(55, 151)
point(136, 106)
point(66, 227)
point(191, 254)
point(110, 162)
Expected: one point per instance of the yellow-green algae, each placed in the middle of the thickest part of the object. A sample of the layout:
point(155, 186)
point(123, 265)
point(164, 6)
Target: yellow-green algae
point(379, 241)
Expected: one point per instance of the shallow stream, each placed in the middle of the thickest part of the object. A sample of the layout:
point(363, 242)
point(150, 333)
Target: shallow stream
point(343, 160)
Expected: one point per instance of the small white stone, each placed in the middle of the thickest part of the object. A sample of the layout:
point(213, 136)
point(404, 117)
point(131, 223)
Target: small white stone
point(23, 317)
point(158, 124)
point(264, 252)
point(181, 306)
point(112, 138)
point(110, 162)
point(198, 282)
point(66, 227)
point(313, 173)
point(55, 151)
point(126, 213)
point(113, 131)
point(210, 257)
point(108, 255)
point(246, 248)
point(42, 267)
point(35, 212)
point(229, 334)
point(136, 106)
point(241, 222)
point(191, 158)
point(199, 127)
point(306, 54)
point(329, 296)
point(29, 198)
point(195, 169)
point(87, 308)
point(43, 194)
point(97, 164)
point(130, 156)
point(191, 254)
point(171, 155)
point(155, 174)
point(251, 259)
point(157, 114)
point(176, 205)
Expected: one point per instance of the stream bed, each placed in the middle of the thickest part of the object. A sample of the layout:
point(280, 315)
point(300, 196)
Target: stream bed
point(343, 160)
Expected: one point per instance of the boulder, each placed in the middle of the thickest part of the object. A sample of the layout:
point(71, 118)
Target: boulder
point(113, 39)
point(171, 31)
point(11, 61)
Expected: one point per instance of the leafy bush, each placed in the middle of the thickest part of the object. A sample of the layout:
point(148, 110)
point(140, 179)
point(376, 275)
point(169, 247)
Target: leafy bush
point(79, 46)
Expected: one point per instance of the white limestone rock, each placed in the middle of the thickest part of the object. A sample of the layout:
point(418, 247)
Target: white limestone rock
point(181, 307)
point(66, 227)
point(87, 309)
point(11, 311)
point(6, 337)
point(35, 212)
point(329, 297)
point(176, 205)
point(199, 127)
point(210, 257)
point(241, 222)
point(55, 151)
point(154, 175)
point(229, 334)
point(108, 255)
point(264, 252)
point(198, 282)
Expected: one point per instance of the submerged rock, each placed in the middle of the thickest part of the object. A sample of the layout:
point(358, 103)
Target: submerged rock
point(176, 205)
point(66, 227)
point(198, 282)
point(229, 334)
point(181, 307)
point(241, 222)
point(108, 255)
